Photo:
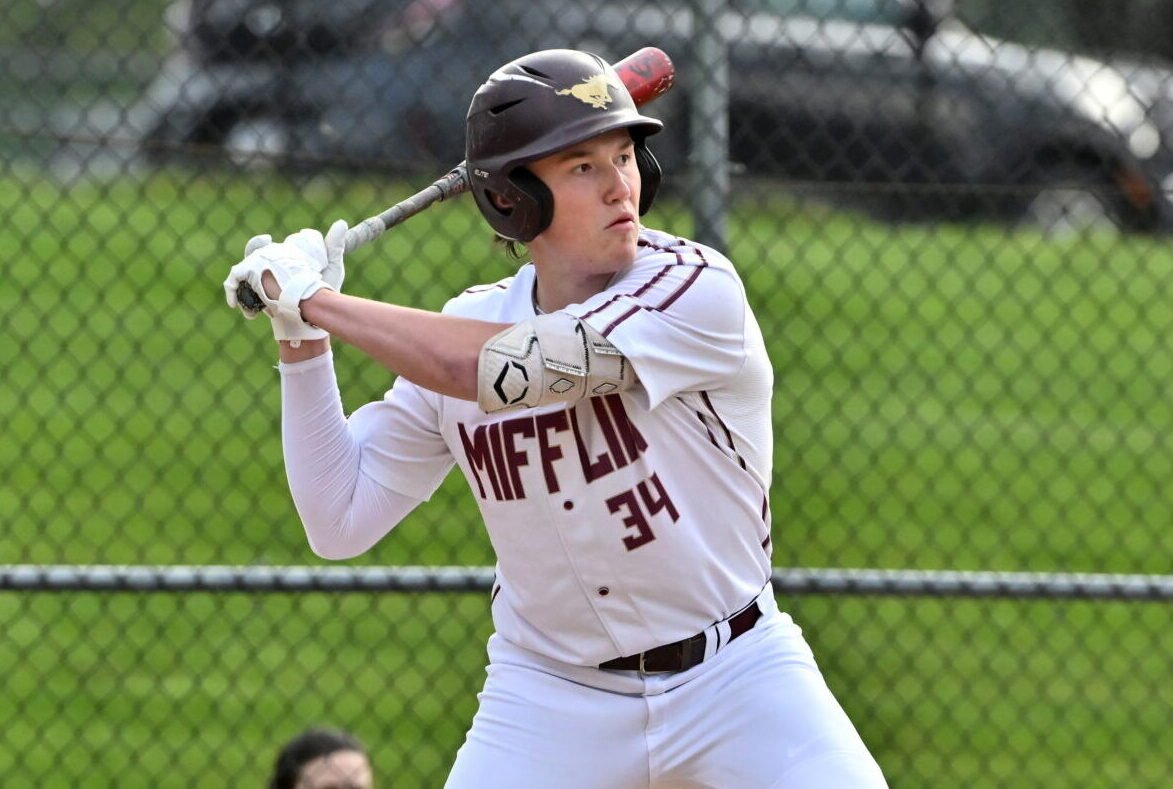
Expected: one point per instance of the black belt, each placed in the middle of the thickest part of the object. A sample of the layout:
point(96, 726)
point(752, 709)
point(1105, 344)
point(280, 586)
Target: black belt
point(686, 653)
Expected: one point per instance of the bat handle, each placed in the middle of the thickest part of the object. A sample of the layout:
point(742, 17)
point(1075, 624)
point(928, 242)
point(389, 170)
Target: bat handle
point(248, 298)
point(454, 183)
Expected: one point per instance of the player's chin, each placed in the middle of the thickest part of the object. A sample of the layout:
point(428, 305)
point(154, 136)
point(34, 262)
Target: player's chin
point(622, 237)
point(620, 255)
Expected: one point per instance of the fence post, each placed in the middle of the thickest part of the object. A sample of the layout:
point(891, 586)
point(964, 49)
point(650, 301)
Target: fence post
point(707, 71)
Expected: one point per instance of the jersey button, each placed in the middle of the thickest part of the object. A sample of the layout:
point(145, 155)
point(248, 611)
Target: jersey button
point(568, 505)
point(603, 591)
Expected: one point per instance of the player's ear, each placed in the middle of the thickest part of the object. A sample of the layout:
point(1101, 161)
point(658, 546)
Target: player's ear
point(501, 202)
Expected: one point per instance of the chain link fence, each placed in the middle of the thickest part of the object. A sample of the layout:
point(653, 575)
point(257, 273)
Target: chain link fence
point(952, 229)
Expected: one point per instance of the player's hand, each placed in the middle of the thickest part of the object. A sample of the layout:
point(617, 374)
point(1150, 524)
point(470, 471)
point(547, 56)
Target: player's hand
point(335, 243)
point(296, 267)
point(256, 242)
point(328, 251)
point(250, 246)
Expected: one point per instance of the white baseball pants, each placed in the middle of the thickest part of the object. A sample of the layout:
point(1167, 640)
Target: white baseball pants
point(758, 714)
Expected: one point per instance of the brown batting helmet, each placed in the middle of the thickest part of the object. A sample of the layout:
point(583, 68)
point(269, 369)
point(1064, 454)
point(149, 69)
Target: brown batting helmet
point(535, 106)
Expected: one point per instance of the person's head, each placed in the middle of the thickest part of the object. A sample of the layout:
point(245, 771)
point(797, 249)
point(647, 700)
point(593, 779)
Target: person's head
point(528, 122)
point(322, 759)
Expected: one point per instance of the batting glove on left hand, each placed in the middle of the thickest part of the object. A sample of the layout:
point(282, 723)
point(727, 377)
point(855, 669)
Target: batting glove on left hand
point(328, 251)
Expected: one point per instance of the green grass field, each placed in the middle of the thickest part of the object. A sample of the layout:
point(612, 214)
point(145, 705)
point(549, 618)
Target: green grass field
point(948, 397)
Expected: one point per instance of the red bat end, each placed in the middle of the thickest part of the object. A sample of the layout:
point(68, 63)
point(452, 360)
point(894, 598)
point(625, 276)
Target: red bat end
point(647, 74)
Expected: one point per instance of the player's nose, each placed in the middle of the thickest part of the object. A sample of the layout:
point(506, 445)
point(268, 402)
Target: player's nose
point(619, 186)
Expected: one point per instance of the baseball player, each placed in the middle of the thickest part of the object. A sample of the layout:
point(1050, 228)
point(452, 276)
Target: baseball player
point(609, 406)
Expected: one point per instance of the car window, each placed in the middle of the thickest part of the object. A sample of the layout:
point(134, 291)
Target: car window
point(888, 12)
point(765, 22)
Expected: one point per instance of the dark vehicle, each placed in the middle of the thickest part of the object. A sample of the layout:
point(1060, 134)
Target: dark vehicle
point(894, 105)
point(351, 83)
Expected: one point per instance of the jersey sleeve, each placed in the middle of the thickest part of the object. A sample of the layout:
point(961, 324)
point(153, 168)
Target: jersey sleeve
point(680, 324)
point(344, 511)
point(402, 447)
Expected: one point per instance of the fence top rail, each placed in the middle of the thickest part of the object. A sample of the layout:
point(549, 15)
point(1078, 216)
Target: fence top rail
point(829, 581)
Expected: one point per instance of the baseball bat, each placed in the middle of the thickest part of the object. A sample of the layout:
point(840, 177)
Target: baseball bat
point(646, 73)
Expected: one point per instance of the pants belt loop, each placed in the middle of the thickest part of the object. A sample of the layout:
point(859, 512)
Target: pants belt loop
point(720, 636)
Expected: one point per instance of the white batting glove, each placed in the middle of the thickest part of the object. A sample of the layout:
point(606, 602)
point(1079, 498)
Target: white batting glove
point(303, 264)
point(298, 275)
point(328, 251)
point(251, 246)
point(256, 242)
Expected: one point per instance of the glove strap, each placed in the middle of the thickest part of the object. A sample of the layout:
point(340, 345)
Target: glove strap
point(300, 286)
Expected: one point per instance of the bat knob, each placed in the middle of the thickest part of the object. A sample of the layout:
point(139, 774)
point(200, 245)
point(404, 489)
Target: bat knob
point(248, 298)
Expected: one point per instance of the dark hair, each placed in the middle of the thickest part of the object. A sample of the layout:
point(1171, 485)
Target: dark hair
point(304, 748)
point(514, 249)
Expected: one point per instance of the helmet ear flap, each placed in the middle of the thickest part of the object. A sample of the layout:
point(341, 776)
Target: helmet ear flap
point(649, 176)
point(498, 203)
point(536, 208)
point(532, 207)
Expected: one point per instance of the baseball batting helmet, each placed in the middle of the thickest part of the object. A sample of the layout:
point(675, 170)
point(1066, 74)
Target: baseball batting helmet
point(535, 106)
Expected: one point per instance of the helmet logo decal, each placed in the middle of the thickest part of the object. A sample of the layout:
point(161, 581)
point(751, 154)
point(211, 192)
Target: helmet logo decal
point(592, 90)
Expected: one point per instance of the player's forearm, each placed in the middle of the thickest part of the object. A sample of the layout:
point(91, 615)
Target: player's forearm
point(321, 457)
point(343, 511)
point(435, 351)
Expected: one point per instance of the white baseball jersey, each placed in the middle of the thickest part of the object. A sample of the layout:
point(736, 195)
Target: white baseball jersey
point(620, 522)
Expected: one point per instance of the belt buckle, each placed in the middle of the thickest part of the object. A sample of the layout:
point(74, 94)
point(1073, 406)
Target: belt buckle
point(643, 670)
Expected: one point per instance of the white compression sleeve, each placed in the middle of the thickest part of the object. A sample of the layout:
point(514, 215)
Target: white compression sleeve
point(343, 510)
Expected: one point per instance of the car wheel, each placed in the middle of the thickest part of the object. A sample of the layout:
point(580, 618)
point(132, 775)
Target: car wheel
point(1072, 201)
